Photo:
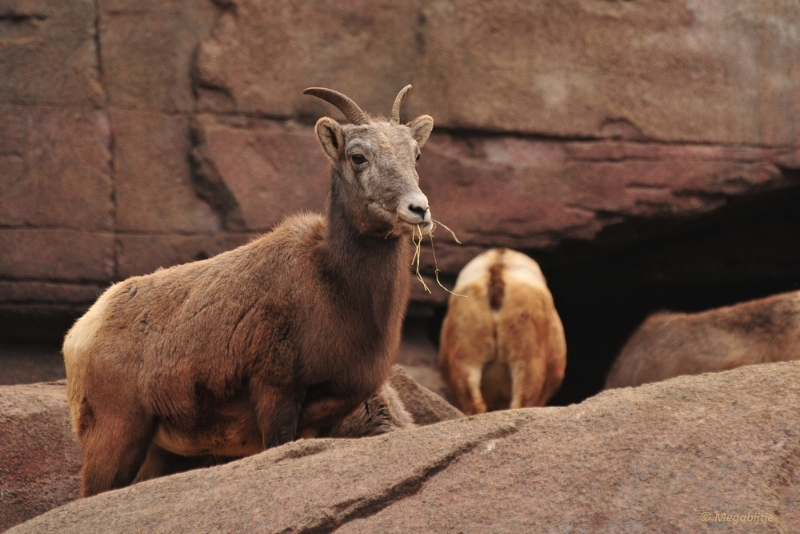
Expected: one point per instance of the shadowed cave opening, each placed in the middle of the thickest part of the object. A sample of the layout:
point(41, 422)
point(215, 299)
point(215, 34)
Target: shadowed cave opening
point(603, 289)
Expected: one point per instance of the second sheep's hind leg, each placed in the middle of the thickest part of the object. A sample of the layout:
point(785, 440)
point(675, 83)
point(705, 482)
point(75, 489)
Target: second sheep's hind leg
point(521, 344)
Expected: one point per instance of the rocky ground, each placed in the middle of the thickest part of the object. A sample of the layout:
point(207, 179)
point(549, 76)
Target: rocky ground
point(682, 455)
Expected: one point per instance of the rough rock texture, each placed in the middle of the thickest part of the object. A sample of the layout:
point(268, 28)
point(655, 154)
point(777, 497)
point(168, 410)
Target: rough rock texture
point(48, 53)
point(40, 457)
point(179, 129)
point(668, 457)
point(148, 49)
point(701, 72)
point(55, 168)
point(515, 192)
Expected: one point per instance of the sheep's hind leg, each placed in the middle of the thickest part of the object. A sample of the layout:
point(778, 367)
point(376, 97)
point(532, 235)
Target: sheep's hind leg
point(114, 448)
point(527, 381)
point(466, 387)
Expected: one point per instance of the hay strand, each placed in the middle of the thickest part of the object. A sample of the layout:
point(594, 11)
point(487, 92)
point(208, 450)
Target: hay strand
point(418, 253)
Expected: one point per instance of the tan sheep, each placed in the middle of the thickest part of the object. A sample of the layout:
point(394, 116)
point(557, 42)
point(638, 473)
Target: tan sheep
point(293, 331)
point(503, 345)
point(672, 344)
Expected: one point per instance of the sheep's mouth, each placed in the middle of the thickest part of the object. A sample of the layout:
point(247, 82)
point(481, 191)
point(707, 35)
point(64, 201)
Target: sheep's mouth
point(417, 228)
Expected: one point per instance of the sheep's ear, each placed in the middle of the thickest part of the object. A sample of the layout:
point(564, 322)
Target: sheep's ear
point(331, 137)
point(421, 128)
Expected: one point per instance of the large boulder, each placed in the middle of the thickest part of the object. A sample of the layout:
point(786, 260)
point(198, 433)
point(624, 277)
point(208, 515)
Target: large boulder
point(671, 456)
point(41, 458)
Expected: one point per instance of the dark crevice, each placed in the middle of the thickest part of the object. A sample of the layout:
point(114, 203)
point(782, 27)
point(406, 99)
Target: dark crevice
point(366, 507)
point(210, 186)
point(16, 25)
point(220, 98)
point(605, 288)
point(111, 139)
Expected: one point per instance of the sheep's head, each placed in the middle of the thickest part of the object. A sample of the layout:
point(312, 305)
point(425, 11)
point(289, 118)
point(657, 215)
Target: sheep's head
point(376, 160)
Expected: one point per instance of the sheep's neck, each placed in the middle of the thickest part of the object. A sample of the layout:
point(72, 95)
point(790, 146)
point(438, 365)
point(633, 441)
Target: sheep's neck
point(372, 272)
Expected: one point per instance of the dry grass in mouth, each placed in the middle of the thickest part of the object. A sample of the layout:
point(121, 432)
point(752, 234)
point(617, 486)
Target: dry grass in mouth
point(417, 240)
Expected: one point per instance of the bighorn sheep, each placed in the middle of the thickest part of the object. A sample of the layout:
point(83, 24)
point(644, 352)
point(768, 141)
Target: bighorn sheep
point(672, 344)
point(502, 346)
point(240, 352)
point(382, 413)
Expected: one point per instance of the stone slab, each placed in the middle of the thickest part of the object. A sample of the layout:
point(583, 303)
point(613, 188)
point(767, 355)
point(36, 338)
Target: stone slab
point(56, 255)
point(55, 168)
point(154, 188)
point(682, 455)
point(41, 458)
point(701, 72)
point(48, 53)
point(148, 48)
point(142, 253)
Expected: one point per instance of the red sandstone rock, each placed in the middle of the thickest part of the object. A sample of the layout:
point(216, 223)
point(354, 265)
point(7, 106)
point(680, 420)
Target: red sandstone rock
point(673, 456)
point(153, 179)
point(55, 254)
point(49, 54)
point(143, 254)
point(691, 121)
point(262, 54)
point(40, 459)
point(647, 70)
point(148, 47)
point(267, 171)
point(55, 168)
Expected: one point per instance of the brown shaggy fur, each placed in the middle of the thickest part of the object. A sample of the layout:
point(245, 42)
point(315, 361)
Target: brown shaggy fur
point(382, 413)
point(502, 346)
point(237, 353)
point(672, 344)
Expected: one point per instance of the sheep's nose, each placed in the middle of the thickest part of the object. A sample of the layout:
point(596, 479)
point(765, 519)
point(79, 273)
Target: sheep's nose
point(414, 209)
point(419, 210)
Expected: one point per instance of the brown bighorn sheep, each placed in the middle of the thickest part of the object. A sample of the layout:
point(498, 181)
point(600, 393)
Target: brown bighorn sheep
point(382, 413)
point(672, 344)
point(237, 353)
point(502, 346)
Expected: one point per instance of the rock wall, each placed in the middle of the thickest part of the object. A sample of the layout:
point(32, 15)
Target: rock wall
point(143, 134)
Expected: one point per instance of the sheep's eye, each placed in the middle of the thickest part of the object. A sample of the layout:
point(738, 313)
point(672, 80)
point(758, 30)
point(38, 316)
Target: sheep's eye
point(418, 156)
point(358, 159)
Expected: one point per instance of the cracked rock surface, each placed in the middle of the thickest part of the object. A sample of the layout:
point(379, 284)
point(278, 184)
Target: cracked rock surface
point(647, 459)
point(41, 457)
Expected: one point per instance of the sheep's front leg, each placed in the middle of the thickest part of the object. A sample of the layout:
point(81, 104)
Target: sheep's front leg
point(277, 414)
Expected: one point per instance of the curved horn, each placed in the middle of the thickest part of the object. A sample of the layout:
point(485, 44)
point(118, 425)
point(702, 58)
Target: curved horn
point(395, 119)
point(345, 104)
